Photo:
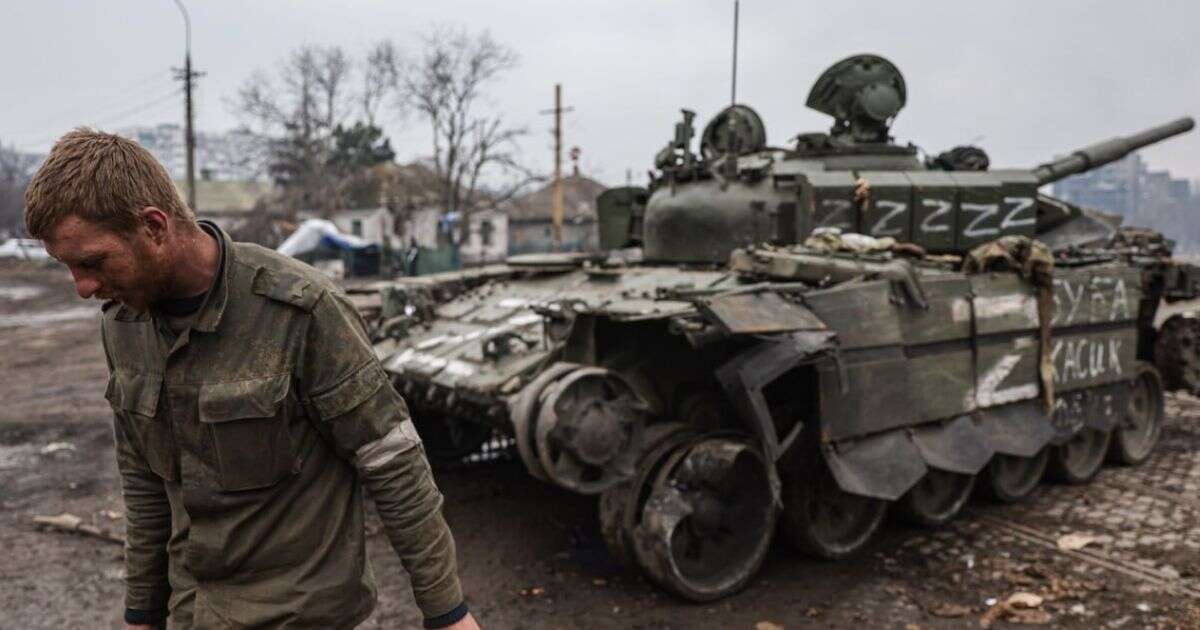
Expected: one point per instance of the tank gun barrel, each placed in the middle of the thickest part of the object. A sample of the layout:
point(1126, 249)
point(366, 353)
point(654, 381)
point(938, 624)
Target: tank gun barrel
point(1101, 153)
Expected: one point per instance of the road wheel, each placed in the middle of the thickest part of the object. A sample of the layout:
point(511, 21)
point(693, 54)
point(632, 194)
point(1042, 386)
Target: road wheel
point(588, 430)
point(1138, 433)
point(1009, 478)
point(709, 518)
point(1080, 458)
point(936, 499)
point(822, 519)
point(620, 506)
point(524, 412)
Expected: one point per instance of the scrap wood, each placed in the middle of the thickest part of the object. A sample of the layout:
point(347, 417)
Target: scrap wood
point(1020, 608)
point(1074, 542)
point(55, 447)
point(70, 523)
point(1025, 600)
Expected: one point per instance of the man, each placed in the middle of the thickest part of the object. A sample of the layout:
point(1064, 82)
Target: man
point(250, 412)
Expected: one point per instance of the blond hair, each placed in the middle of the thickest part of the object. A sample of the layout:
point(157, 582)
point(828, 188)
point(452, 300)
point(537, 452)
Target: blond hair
point(100, 177)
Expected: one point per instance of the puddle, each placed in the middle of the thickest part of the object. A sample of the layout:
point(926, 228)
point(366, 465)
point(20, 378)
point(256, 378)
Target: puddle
point(19, 292)
point(37, 318)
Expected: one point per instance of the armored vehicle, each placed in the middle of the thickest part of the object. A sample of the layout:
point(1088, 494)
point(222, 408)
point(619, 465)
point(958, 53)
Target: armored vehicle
point(805, 335)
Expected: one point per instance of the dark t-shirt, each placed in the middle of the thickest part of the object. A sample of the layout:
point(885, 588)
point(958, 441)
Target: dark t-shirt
point(178, 312)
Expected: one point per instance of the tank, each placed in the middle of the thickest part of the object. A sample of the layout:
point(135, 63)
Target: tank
point(800, 339)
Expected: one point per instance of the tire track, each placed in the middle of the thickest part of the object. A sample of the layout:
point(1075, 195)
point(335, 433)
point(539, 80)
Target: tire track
point(1092, 557)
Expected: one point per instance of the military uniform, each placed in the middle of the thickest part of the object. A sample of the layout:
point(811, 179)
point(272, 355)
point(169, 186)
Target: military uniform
point(244, 441)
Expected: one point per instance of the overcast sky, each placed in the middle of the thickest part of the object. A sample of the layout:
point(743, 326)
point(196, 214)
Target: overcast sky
point(1023, 78)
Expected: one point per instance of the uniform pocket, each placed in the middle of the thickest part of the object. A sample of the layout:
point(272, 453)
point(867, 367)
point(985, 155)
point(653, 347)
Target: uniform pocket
point(134, 397)
point(134, 392)
point(248, 423)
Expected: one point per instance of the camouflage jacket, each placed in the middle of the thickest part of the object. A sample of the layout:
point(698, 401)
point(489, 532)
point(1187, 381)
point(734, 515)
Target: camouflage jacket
point(244, 443)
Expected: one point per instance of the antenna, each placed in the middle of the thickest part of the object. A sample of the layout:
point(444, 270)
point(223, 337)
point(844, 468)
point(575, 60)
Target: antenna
point(729, 162)
point(733, 87)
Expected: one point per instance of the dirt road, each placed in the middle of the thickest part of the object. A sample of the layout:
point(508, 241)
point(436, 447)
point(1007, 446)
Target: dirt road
point(531, 555)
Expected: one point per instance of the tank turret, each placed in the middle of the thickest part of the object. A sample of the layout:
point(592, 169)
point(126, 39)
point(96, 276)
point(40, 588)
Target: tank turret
point(740, 190)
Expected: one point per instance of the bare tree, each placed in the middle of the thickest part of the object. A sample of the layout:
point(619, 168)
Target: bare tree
point(299, 110)
point(310, 101)
point(446, 86)
point(380, 75)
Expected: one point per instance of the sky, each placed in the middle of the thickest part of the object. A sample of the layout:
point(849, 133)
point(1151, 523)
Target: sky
point(1025, 79)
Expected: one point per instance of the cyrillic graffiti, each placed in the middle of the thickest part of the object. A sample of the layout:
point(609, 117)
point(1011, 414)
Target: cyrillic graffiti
point(1096, 299)
point(1086, 358)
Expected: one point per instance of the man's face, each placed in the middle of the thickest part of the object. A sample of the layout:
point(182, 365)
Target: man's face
point(108, 265)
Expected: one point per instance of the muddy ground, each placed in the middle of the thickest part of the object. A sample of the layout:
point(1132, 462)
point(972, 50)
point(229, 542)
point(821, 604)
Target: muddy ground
point(531, 556)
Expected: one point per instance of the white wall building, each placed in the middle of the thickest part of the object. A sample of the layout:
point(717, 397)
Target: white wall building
point(371, 224)
point(486, 243)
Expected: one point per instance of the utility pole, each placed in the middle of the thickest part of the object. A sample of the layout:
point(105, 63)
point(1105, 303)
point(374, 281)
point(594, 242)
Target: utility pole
point(556, 207)
point(187, 76)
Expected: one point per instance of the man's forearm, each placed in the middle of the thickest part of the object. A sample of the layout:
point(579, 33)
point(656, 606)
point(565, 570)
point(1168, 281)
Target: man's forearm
point(409, 504)
point(147, 530)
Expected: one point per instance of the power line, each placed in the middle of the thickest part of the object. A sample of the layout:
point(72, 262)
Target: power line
point(81, 107)
point(138, 109)
point(143, 107)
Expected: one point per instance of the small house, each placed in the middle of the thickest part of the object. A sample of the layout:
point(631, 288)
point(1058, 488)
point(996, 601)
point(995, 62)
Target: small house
point(530, 222)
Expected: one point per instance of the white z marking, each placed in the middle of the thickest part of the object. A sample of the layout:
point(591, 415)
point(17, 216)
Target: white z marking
point(836, 213)
point(1019, 205)
point(943, 207)
point(986, 211)
point(897, 208)
point(989, 393)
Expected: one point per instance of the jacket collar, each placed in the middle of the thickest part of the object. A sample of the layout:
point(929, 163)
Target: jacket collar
point(214, 305)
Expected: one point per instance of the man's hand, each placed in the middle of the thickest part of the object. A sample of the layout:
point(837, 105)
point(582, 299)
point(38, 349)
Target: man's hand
point(466, 623)
point(140, 626)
